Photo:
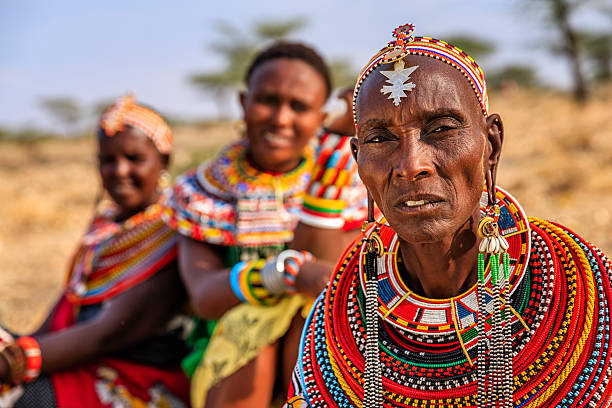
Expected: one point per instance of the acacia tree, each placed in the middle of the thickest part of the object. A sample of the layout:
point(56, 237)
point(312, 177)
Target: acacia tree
point(559, 13)
point(64, 110)
point(237, 48)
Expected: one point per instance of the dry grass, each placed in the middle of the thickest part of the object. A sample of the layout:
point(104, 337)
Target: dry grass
point(557, 161)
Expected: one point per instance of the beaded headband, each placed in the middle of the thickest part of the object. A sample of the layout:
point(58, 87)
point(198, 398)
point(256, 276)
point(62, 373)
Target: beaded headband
point(405, 44)
point(125, 111)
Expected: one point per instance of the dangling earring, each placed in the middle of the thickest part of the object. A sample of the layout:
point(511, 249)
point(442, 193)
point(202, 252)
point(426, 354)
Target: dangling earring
point(240, 128)
point(499, 371)
point(373, 374)
point(164, 180)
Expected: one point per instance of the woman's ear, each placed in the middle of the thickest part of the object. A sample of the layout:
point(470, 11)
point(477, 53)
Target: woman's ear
point(165, 160)
point(354, 147)
point(242, 96)
point(495, 139)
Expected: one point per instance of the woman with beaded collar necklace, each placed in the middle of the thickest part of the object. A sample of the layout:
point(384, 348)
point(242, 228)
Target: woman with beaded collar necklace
point(236, 215)
point(455, 297)
point(108, 341)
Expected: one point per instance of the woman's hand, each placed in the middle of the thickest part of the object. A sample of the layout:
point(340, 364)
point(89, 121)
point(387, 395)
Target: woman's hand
point(4, 371)
point(124, 320)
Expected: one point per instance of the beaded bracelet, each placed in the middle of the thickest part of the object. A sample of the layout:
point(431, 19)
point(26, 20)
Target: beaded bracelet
point(33, 356)
point(280, 273)
point(247, 285)
point(293, 261)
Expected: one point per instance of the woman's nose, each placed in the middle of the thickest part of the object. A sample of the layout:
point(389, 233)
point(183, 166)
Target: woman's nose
point(413, 160)
point(122, 168)
point(282, 115)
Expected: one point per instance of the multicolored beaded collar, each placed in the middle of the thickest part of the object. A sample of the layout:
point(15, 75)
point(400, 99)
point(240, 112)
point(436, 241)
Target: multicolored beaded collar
point(114, 257)
point(561, 305)
point(405, 44)
point(229, 202)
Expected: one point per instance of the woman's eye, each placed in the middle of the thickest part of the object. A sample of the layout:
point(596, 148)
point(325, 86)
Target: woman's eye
point(441, 129)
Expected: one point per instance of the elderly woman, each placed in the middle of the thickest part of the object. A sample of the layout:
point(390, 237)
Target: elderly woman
point(106, 342)
point(241, 208)
point(454, 298)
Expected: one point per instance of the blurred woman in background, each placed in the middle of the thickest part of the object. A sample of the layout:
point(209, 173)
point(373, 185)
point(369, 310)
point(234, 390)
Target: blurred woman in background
point(107, 342)
point(237, 214)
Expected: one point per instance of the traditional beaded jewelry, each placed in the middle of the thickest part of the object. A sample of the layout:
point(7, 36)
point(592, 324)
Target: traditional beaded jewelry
point(289, 263)
point(33, 357)
point(406, 44)
point(247, 284)
point(498, 391)
point(556, 307)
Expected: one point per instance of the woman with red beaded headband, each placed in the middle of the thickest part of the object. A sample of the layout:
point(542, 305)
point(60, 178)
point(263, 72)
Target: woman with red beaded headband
point(455, 297)
point(107, 341)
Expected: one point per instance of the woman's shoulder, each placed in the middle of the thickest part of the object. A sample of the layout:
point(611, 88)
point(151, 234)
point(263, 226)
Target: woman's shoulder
point(200, 204)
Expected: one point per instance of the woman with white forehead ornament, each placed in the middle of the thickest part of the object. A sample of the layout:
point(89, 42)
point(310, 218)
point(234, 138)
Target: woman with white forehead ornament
point(454, 298)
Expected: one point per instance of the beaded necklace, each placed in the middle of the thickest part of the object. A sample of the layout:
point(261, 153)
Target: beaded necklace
point(559, 299)
point(229, 202)
point(114, 257)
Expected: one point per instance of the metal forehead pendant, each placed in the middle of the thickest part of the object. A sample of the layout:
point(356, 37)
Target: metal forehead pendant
point(397, 78)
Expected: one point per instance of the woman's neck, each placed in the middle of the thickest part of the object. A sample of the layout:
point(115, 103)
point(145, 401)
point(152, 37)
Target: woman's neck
point(442, 269)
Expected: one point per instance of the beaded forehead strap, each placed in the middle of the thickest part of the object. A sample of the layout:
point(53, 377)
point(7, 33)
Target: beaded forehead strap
point(405, 44)
point(125, 111)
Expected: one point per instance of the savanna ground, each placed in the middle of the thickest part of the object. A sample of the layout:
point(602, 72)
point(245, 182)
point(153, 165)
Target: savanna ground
point(557, 161)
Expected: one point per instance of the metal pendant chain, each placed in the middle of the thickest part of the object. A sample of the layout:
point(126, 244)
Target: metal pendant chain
point(373, 396)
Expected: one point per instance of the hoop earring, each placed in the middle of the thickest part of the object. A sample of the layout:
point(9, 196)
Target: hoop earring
point(240, 128)
point(165, 180)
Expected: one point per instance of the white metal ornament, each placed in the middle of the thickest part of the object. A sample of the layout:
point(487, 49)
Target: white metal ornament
point(397, 78)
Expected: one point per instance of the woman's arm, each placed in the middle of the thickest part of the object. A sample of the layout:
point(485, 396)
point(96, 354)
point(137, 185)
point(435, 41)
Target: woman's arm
point(206, 278)
point(124, 320)
point(326, 245)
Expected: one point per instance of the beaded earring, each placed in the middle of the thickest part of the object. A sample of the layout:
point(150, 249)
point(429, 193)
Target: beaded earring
point(495, 379)
point(373, 374)
point(165, 180)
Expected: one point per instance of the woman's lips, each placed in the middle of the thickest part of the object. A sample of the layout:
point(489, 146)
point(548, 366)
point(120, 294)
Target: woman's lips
point(276, 140)
point(419, 204)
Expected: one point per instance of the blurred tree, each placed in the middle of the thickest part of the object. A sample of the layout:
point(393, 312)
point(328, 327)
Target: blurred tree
point(511, 76)
point(559, 13)
point(342, 73)
point(475, 47)
point(237, 49)
point(64, 110)
point(598, 49)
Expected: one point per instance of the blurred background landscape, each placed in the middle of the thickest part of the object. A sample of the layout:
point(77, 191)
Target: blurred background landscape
point(548, 64)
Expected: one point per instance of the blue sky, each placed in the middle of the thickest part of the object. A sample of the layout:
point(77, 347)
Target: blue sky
point(95, 51)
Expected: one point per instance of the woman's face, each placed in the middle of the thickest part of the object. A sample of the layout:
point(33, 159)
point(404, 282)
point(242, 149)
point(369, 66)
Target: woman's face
point(130, 167)
point(423, 161)
point(283, 111)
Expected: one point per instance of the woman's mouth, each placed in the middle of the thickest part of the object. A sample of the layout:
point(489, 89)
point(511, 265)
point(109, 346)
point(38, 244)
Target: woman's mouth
point(276, 140)
point(419, 204)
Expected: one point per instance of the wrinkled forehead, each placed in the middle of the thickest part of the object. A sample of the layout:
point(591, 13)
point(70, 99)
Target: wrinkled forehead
point(412, 88)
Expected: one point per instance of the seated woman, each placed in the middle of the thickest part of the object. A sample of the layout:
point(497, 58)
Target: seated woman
point(455, 298)
point(241, 208)
point(105, 343)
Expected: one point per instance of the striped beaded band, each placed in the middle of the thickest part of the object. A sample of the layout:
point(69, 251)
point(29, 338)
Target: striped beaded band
point(247, 284)
point(31, 349)
point(125, 111)
point(405, 45)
